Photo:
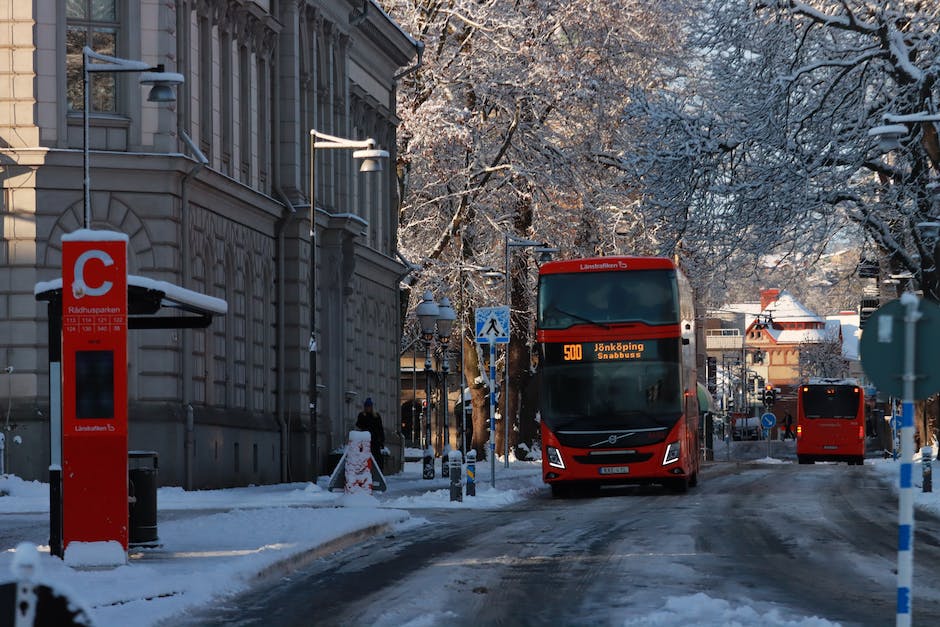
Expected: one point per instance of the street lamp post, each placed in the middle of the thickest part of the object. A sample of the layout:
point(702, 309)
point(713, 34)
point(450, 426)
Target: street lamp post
point(371, 161)
point(445, 324)
point(512, 241)
point(489, 273)
point(161, 91)
point(427, 313)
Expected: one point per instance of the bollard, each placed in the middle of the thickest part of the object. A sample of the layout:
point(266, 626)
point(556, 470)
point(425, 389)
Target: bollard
point(454, 460)
point(427, 469)
point(925, 454)
point(445, 462)
point(26, 601)
point(471, 473)
point(358, 463)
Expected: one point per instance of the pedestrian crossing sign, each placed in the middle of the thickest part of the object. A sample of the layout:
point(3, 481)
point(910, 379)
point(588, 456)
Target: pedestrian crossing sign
point(492, 325)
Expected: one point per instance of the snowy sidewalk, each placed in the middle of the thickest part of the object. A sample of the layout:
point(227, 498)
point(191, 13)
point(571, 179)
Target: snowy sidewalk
point(216, 543)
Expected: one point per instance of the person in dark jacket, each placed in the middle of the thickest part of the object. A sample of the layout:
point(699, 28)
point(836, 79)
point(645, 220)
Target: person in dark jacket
point(369, 420)
point(788, 422)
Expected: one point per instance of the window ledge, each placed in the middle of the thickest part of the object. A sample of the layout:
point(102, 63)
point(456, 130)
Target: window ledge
point(111, 120)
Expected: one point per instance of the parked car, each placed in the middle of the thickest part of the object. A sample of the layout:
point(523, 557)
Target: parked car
point(746, 428)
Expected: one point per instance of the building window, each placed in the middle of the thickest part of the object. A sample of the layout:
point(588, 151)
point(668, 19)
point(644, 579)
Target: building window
point(244, 114)
point(225, 100)
point(265, 97)
point(96, 24)
point(205, 86)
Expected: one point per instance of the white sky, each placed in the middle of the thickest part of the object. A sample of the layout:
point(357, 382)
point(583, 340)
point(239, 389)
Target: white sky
point(217, 554)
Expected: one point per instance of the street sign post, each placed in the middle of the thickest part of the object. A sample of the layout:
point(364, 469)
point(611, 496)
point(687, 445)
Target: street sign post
point(492, 327)
point(891, 360)
point(768, 420)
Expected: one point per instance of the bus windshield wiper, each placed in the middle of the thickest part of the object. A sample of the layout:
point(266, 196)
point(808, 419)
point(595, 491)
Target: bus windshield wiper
point(577, 317)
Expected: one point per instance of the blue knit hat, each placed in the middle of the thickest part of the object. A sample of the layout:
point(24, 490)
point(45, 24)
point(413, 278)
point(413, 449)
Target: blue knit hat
point(368, 402)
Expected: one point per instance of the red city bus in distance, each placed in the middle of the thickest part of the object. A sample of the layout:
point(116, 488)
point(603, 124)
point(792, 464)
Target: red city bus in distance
point(830, 423)
point(618, 397)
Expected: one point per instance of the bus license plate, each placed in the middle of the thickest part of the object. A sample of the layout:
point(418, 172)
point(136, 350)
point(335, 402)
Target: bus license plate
point(614, 470)
point(830, 447)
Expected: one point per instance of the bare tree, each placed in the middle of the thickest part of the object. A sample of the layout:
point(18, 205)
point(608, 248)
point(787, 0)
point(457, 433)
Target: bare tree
point(770, 148)
point(823, 359)
point(512, 125)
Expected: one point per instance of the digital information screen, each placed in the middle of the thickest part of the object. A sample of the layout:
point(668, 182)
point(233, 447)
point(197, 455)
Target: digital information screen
point(625, 350)
point(94, 384)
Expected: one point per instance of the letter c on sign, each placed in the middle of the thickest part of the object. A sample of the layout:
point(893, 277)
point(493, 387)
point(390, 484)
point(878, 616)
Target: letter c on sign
point(79, 288)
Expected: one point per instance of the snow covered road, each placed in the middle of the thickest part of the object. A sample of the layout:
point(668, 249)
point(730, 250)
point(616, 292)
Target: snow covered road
point(782, 542)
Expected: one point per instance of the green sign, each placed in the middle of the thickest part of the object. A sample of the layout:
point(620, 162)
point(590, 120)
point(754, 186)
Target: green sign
point(882, 349)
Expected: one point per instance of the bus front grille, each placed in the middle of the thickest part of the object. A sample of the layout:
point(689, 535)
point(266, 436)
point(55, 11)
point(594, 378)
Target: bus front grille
point(613, 457)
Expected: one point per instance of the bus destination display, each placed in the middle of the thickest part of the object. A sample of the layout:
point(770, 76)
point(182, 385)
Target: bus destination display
point(602, 351)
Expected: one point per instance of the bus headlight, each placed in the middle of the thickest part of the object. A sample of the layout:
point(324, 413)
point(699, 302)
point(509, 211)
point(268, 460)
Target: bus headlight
point(672, 454)
point(554, 457)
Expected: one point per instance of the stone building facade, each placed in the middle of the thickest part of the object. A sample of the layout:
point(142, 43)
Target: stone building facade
point(213, 191)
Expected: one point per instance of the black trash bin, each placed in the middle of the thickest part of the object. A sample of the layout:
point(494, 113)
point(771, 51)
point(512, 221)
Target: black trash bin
point(142, 498)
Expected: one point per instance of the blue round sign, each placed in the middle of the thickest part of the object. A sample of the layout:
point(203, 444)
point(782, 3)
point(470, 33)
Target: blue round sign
point(768, 420)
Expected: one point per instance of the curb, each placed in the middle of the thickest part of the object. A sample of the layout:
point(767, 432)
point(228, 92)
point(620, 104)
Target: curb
point(299, 560)
point(292, 563)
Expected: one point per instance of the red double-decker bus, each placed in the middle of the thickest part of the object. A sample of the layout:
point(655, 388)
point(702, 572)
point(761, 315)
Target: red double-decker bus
point(618, 401)
point(830, 423)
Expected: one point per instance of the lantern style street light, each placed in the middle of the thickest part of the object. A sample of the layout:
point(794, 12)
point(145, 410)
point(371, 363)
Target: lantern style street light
point(895, 128)
point(162, 91)
point(445, 324)
point(427, 312)
point(371, 160)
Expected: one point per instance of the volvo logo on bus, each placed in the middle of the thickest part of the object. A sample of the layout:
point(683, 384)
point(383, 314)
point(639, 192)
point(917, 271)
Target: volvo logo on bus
point(613, 439)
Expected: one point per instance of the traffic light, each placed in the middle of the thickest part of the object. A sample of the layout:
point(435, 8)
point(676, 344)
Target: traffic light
point(762, 396)
point(770, 395)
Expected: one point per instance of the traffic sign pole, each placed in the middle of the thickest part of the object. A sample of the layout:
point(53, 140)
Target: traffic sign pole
point(906, 497)
point(492, 327)
point(883, 357)
point(768, 421)
point(492, 414)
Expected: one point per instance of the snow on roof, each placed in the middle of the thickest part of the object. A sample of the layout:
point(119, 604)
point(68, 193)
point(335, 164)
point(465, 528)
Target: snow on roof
point(788, 309)
point(798, 336)
point(745, 308)
point(748, 310)
point(851, 333)
point(175, 294)
point(93, 235)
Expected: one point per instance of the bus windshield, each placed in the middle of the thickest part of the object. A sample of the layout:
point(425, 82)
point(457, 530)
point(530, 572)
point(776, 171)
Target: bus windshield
point(602, 298)
point(828, 401)
point(611, 394)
